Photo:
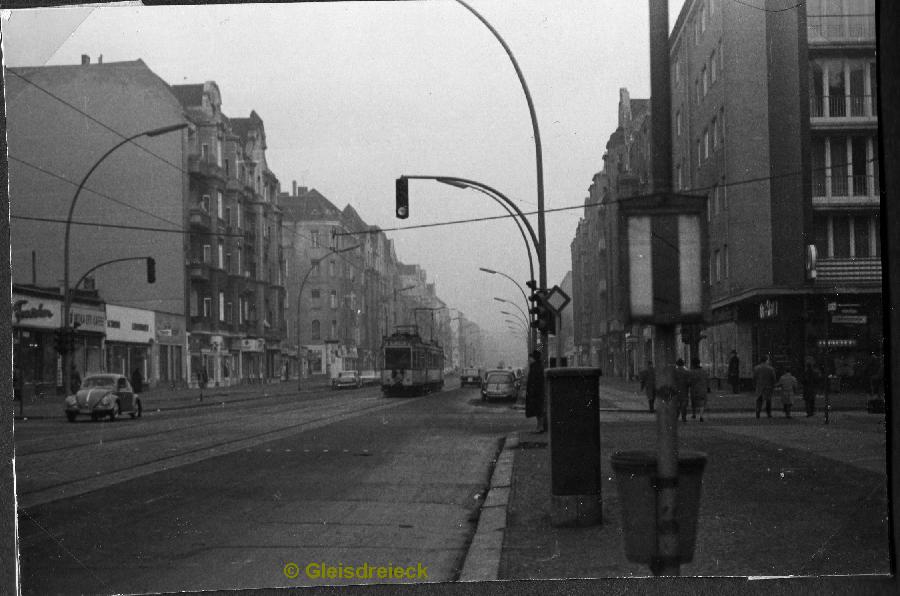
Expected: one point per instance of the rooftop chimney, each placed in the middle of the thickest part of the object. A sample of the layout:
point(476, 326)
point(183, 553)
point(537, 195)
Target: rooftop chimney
point(294, 187)
point(85, 59)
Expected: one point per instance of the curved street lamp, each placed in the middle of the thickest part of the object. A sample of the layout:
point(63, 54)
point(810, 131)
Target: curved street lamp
point(518, 285)
point(67, 295)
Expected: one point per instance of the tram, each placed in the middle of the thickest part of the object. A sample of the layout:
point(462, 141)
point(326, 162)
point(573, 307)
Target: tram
point(412, 365)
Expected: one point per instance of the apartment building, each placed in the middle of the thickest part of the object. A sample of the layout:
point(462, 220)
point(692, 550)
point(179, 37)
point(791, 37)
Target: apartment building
point(775, 121)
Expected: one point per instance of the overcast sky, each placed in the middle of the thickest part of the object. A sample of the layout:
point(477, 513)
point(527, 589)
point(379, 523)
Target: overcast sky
point(355, 94)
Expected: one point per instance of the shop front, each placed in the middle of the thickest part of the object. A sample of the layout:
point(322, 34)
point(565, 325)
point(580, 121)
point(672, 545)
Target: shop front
point(252, 353)
point(35, 317)
point(89, 322)
point(170, 350)
point(130, 336)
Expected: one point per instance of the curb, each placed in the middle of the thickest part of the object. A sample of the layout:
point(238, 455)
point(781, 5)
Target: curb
point(482, 561)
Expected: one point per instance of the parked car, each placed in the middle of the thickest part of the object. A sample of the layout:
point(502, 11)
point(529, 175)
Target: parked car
point(470, 376)
point(104, 395)
point(500, 384)
point(346, 379)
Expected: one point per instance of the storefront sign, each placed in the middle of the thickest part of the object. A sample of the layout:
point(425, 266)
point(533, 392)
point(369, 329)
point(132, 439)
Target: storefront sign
point(88, 318)
point(849, 319)
point(253, 345)
point(768, 309)
point(169, 328)
point(28, 311)
point(126, 324)
point(837, 343)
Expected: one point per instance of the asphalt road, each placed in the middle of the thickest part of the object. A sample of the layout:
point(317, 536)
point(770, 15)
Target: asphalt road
point(232, 496)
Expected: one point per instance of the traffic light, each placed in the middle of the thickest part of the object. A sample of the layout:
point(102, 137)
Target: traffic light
point(151, 270)
point(544, 319)
point(402, 198)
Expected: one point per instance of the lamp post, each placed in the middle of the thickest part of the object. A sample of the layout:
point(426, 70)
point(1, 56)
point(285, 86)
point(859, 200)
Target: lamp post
point(541, 244)
point(312, 265)
point(67, 295)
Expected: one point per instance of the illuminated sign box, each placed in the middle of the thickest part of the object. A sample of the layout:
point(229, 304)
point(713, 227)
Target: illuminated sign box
point(665, 258)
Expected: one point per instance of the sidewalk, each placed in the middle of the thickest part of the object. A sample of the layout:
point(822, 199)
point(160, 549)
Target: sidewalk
point(622, 394)
point(780, 497)
point(161, 398)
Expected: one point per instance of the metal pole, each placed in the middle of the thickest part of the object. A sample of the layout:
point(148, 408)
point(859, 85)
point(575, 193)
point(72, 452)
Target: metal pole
point(67, 296)
point(538, 155)
point(666, 562)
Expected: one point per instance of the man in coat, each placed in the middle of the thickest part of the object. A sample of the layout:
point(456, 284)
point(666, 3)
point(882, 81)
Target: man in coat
point(682, 379)
point(764, 381)
point(534, 392)
point(648, 383)
point(699, 388)
point(734, 371)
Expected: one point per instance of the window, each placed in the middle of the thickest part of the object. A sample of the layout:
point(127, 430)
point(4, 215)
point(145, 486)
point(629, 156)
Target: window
point(207, 254)
point(316, 297)
point(222, 306)
point(332, 299)
point(204, 152)
point(220, 205)
point(315, 238)
point(699, 153)
point(229, 316)
point(704, 78)
point(315, 268)
point(330, 268)
point(240, 260)
point(207, 306)
point(697, 92)
point(726, 266)
point(204, 203)
point(238, 209)
point(715, 132)
point(227, 167)
point(713, 69)
point(194, 306)
point(722, 124)
point(678, 123)
point(221, 255)
point(703, 18)
point(677, 75)
point(333, 330)
point(705, 144)
point(228, 216)
point(316, 330)
point(228, 262)
point(718, 265)
point(710, 205)
point(678, 177)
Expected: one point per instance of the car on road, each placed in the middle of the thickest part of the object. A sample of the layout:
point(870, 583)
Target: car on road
point(104, 395)
point(500, 384)
point(470, 376)
point(346, 379)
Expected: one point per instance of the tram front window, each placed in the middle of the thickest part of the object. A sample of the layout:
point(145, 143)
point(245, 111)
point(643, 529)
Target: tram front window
point(397, 358)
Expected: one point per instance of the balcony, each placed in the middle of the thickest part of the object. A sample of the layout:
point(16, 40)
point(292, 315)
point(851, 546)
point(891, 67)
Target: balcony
point(199, 271)
point(199, 218)
point(866, 271)
point(843, 110)
point(197, 165)
point(840, 30)
point(859, 191)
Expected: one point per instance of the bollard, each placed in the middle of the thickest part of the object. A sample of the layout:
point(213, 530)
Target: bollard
point(573, 397)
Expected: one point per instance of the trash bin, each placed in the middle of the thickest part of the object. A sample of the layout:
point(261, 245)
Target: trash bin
point(635, 473)
point(575, 475)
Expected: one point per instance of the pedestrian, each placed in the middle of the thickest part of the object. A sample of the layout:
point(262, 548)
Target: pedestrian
point(787, 384)
point(534, 391)
point(648, 383)
point(764, 382)
point(137, 380)
point(74, 379)
point(202, 380)
point(734, 371)
point(682, 380)
point(811, 380)
point(699, 379)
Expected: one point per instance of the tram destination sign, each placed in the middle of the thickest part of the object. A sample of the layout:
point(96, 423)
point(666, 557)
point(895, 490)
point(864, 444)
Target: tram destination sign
point(849, 319)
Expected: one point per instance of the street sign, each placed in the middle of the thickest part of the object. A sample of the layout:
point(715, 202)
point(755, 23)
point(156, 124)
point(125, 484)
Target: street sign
point(557, 299)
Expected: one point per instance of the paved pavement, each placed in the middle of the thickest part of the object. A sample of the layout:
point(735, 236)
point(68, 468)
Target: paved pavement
point(780, 497)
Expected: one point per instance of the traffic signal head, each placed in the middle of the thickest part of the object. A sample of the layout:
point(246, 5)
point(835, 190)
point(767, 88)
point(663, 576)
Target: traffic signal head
point(402, 198)
point(544, 319)
point(151, 270)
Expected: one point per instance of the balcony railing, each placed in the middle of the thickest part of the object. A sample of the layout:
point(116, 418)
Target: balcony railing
point(199, 218)
point(840, 28)
point(846, 270)
point(843, 106)
point(198, 165)
point(199, 271)
point(843, 187)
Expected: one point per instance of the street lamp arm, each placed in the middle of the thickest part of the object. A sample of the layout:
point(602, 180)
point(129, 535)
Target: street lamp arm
point(95, 267)
point(518, 285)
point(541, 245)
